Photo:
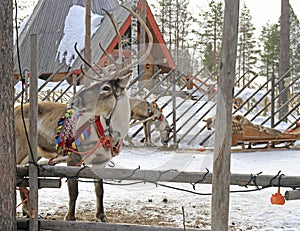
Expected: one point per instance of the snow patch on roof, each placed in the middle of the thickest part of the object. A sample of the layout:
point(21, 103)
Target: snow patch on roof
point(74, 32)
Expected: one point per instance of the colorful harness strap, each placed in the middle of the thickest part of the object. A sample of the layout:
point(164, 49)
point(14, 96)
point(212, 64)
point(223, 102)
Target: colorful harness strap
point(65, 131)
point(151, 107)
point(67, 138)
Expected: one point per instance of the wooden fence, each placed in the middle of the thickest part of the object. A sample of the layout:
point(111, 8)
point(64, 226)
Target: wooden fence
point(56, 172)
point(198, 101)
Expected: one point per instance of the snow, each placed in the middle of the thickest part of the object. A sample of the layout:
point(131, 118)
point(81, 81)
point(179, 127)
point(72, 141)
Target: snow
point(74, 32)
point(21, 28)
point(248, 211)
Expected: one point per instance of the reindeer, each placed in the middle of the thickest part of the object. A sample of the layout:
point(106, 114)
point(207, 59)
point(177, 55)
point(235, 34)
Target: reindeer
point(100, 109)
point(147, 114)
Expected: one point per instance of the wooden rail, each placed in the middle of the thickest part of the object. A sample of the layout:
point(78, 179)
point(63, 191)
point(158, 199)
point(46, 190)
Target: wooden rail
point(156, 176)
point(22, 224)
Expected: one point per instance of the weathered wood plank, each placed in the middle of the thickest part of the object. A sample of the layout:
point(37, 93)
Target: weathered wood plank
point(292, 195)
point(158, 176)
point(42, 183)
point(90, 226)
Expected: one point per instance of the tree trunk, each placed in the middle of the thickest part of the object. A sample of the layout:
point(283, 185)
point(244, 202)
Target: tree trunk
point(284, 64)
point(223, 135)
point(7, 144)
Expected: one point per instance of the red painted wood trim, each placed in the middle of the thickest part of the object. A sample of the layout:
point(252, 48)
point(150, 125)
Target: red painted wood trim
point(159, 37)
point(114, 42)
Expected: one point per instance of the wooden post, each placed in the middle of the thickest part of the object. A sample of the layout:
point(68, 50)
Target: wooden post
point(134, 48)
point(223, 137)
point(173, 76)
point(7, 142)
point(33, 113)
point(87, 49)
point(142, 35)
point(272, 101)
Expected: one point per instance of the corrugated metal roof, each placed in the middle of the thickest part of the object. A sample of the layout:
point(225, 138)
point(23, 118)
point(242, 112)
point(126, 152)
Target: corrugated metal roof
point(47, 21)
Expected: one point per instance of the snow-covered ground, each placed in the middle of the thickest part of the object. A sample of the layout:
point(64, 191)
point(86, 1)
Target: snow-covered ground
point(156, 205)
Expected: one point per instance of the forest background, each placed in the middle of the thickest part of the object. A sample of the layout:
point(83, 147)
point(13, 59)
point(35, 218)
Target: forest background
point(193, 31)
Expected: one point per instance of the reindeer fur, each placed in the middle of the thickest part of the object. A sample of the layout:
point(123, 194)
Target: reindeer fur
point(106, 96)
point(140, 112)
point(106, 104)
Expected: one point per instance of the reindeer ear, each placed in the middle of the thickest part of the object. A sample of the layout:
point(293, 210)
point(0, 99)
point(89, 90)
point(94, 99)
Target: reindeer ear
point(204, 120)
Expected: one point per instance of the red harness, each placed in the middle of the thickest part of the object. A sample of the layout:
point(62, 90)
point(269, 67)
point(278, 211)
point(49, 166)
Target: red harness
point(108, 144)
point(83, 132)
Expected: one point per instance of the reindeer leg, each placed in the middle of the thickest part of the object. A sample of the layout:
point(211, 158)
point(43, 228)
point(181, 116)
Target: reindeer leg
point(23, 198)
point(22, 159)
point(146, 132)
point(130, 143)
point(100, 215)
point(73, 189)
point(149, 134)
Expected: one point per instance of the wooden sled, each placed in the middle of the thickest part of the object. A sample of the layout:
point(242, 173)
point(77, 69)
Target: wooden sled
point(251, 135)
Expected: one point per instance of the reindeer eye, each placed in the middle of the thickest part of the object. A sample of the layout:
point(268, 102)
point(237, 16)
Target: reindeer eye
point(106, 88)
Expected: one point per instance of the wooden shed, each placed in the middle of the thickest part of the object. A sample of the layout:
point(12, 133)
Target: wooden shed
point(48, 21)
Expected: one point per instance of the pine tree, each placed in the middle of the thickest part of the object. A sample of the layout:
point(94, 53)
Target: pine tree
point(174, 20)
point(208, 58)
point(247, 51)
point(211, 21)
point(269, 55)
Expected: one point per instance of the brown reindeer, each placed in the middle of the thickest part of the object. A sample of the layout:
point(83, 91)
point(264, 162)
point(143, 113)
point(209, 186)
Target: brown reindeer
point(101, 115)
point(147, 114)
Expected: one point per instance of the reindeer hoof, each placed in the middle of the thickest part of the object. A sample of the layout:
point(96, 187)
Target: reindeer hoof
point(101, 218)
point(69, 217)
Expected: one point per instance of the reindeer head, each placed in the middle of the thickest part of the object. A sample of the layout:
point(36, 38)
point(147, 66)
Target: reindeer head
point(106, 95)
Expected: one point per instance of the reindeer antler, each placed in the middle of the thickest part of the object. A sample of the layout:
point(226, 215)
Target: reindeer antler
point(86, 62)
point(118, 64)
point(115, 24)
point(150, 38)
point(115, 69)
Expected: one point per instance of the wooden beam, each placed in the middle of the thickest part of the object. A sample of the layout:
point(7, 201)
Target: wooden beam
point(159, 176)
point(292, 195)
point(78, 225)
point(42, 183)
